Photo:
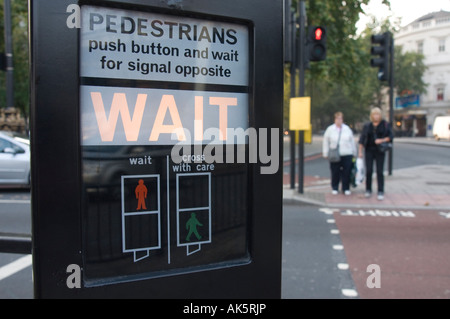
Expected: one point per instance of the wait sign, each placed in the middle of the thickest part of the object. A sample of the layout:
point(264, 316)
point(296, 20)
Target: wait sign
point(148, 82)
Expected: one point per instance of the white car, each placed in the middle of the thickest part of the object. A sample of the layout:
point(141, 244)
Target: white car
point(14, 160)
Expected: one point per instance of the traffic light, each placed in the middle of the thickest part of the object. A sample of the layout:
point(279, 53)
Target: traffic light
point(382, 51)
point(316, 43)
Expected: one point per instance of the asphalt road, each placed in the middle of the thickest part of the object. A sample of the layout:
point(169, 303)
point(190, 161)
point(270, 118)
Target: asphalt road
point(365, 253)
point(312, 256)
point(15, 270)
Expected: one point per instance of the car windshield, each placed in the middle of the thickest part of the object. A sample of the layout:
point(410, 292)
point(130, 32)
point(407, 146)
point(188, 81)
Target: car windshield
point(22, 140)
point(18, 137)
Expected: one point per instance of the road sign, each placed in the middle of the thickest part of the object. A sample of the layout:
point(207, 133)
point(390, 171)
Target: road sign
point(407, 101)
point(139, 88)
point(300, 114)
point(145, 175)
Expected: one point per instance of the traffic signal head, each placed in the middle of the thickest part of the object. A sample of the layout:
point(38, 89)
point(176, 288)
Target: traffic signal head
point(317, 43)
point(381, 52)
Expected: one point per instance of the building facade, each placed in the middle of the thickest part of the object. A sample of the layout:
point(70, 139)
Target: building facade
point(430, 36)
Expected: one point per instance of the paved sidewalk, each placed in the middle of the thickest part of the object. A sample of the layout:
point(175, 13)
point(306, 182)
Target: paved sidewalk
point(421, 187)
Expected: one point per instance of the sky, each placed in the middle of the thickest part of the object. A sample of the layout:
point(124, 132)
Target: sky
point(407, 10)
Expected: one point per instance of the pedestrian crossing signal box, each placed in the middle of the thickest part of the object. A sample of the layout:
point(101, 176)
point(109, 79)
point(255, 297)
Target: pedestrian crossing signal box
point(155, 148)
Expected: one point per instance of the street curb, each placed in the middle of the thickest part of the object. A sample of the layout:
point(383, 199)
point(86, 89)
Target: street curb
point(296, 200)
point(292, 197)
point(420, 142)
point(306, 158)
point(299, 201)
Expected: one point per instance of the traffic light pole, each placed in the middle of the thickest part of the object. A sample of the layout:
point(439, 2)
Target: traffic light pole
point(391, 99)
point(301, 66)
point(385, 63)
point(293, 70)
point(303, 51)
point(8, 55)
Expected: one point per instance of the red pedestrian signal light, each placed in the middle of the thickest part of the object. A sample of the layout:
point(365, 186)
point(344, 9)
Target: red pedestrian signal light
point(318, 33)
point(316, 43)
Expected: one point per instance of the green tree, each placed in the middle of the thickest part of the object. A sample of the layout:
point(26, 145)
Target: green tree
point(344, 56)
point(339, 82)
point(345, 81)
point(409, 68)
point(19, 13)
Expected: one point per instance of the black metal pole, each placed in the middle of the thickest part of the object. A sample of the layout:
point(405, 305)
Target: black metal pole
point(292, 155)
point(391, 98)
point(301, 66)
point(8, 55)
point(293, 72)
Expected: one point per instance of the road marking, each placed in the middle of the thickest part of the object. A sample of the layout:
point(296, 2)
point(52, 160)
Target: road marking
point(338, 247)
point(379, 213)
point(15, 266)
point(330, 221)
point(15, 201)
point(342, 266)
point(445, 215)
point(328, 211)
point(349, 292)
point(334, 231)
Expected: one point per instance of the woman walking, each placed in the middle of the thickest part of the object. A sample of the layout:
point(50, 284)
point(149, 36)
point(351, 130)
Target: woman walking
point(375, 135)
point(338, 138)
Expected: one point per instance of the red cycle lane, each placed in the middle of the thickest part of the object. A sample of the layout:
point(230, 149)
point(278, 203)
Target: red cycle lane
point(411, 247)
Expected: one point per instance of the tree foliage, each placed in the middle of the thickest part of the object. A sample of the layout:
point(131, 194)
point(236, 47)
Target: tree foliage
point(409, 70)
point(19, 13)
point(345, 81)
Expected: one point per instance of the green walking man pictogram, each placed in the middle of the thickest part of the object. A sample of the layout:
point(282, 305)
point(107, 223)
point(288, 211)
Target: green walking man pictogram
point(191, 225)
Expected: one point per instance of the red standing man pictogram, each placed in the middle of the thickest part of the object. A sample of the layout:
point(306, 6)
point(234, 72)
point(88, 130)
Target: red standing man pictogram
point(141, 195)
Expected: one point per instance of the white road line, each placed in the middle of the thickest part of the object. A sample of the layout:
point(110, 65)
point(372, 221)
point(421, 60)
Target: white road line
point(15, 201)
point(328, 211)
point(15, 266)
point(349, 292)
point(342, 266)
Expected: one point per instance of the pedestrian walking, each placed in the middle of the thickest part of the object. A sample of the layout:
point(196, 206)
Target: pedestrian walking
point(376, 138)
point(339, 148)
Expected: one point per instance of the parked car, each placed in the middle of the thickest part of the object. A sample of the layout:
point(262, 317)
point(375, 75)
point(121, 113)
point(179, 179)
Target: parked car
point(14, 160)
point(441, 128)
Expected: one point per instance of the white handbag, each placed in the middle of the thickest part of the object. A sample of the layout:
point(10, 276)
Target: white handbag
point(360, 171)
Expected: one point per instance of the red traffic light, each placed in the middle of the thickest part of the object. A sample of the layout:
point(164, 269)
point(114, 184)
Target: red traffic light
point(318, 34)
point(316, 42)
